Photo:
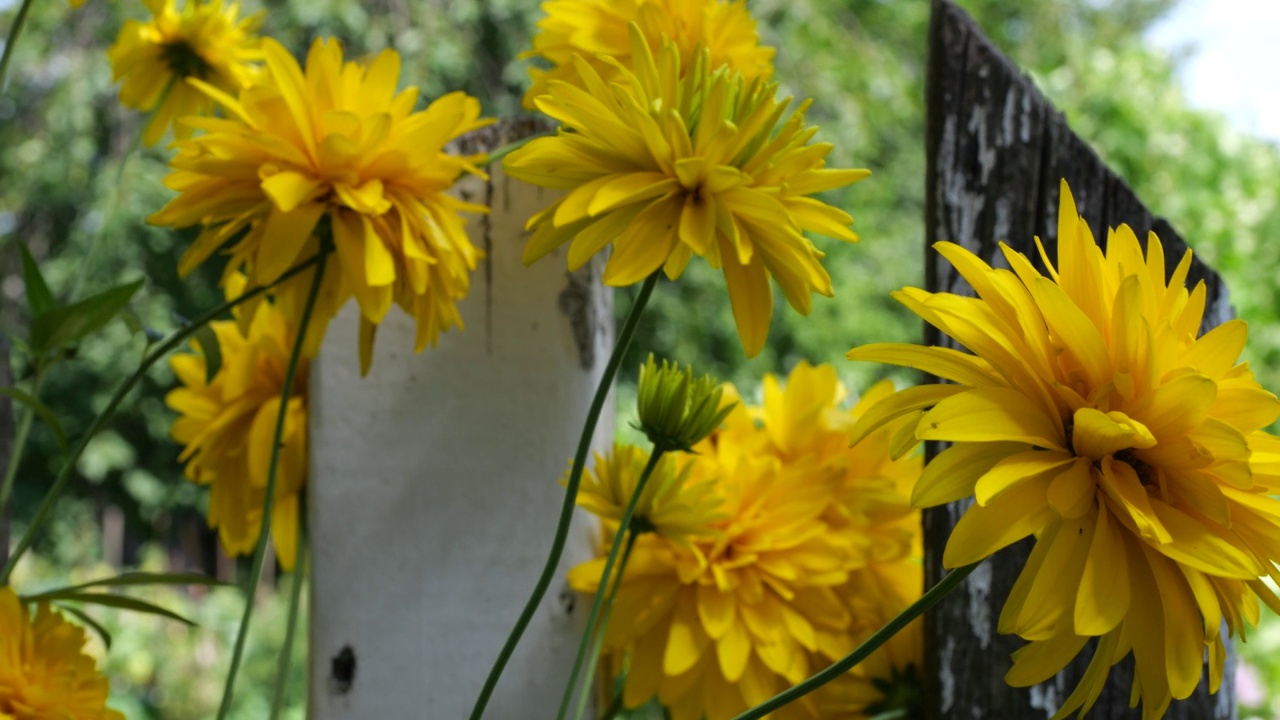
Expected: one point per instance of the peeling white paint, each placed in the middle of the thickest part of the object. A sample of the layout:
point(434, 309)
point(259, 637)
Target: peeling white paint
point(1045, 697)
point(979, 606)
point(947, 680)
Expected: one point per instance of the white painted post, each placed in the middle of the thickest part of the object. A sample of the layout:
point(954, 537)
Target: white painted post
point(434, 490)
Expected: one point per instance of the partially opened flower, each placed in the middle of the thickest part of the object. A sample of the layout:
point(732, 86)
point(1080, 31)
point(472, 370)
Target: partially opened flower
point(227, 426)
point(666, 164)
point(334, 151)
point(595, 28)
point(676, 409)
point(674, 504)
point(791, 574)
point(1094, 416)
point(44, 672)
point(206, 41)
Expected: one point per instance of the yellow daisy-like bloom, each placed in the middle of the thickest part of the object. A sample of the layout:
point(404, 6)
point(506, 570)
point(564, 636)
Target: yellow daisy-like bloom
point(1093, 417)
point(339, 144)
point(671, 505)
point(206, 41)
point(789, 577)
point(228, 425)
point(595, 28)
point(44, 673)
point(666, 165)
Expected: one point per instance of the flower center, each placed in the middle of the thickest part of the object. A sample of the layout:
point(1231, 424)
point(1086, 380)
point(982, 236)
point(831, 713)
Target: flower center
point(184, 61)
point(1146, 473)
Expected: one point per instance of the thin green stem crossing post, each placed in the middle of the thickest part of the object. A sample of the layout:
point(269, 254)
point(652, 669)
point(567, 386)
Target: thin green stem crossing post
point(570, 495)
point(624, 529)
point(581, 711)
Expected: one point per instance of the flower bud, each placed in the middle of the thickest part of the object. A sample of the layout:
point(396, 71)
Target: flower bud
point(676, 409)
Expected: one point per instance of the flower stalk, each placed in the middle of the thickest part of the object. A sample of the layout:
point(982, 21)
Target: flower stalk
point(570, 494)
point(268, 503)
point(863, 651)
point(624, 530)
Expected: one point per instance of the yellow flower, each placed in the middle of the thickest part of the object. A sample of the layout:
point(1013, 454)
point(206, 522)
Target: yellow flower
point(807, 557)
point(44, 672)
point(335, 144)
point(671, 505)
point(228, 425)
point(1094, 418)
point(206, 41)
point(594, 28)
point(665, 166)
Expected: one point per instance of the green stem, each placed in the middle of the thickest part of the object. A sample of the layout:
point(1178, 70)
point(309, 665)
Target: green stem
point(19, 443)
point(268, 503)
point(624, 528)
point(873, 643)
point(570, 495)
point(295, 600)
point(14, 31)
point(594, 658)
point(172, 343)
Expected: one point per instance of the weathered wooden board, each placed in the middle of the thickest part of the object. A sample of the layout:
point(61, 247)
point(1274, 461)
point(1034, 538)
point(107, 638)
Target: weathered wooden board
point(997, 150)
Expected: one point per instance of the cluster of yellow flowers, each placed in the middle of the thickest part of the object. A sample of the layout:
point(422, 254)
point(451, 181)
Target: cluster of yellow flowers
point(770, 551)
point(1094, 416)
point(1090, 412)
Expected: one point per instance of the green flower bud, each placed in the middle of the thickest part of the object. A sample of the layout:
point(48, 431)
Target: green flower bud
point(676, 409)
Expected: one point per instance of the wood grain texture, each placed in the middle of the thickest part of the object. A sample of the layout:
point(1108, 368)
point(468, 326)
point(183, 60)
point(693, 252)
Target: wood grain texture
point(997, 150)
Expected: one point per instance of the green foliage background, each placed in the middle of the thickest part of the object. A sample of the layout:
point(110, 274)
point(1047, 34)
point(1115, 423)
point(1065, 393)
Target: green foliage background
point(74, 188)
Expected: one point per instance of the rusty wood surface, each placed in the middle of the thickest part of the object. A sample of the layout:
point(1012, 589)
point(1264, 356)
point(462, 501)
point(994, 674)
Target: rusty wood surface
point(996, 151)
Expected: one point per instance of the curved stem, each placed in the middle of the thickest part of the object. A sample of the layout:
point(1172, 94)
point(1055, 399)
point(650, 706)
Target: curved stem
point(19, 443)
point(268, 502)
point(596, 645)
point(295, 600)
point(870, 645)
point(570, 495)
point(624, 529)
point(68, 469)
point(14, 31)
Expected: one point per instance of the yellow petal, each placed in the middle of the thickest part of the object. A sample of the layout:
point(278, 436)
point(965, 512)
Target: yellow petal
point(897, 405)
point(992, 414)
point(952, 474)
point(1020, 467)
point(1073, 490)
point(1103, 597)
point(943, 362)
point(283, 237)
point(1096, 434)
point(1009, 517)
point(751, 299)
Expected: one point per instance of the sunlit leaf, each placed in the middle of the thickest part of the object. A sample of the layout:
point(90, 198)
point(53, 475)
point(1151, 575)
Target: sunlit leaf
point(39, 298)
point(69, 323)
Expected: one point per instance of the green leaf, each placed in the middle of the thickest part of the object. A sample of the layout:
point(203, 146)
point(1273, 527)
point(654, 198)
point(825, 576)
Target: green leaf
point(123, 602)
point(212, 351)
point(134, 579)
point(70, 323)
point(39, 298)
point(92, 624)
point(46, 414)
